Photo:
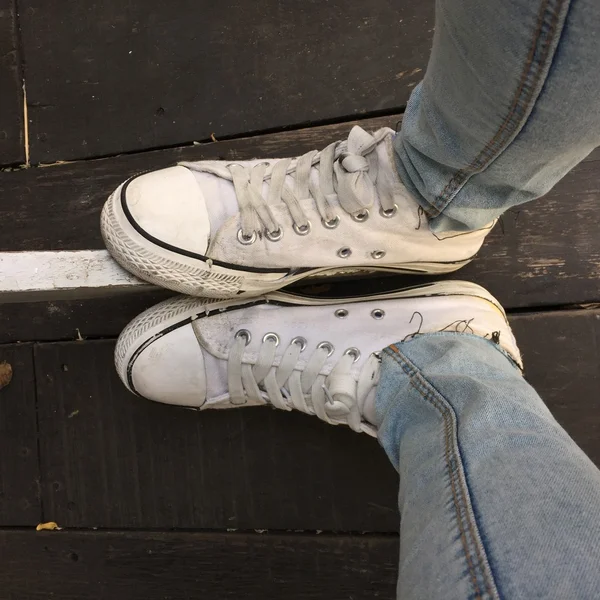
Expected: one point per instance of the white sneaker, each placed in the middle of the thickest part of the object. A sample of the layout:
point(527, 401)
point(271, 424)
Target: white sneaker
point(319, 356)
point(225, 229)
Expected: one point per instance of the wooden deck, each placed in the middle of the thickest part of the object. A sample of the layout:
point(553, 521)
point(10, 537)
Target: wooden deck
point(155, 503)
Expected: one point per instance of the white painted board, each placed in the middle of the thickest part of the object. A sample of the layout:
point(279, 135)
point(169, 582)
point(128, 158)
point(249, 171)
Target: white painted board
point(32, 276)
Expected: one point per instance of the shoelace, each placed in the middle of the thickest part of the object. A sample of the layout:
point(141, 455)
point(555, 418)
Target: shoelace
point(337, 396)
point(347, 174)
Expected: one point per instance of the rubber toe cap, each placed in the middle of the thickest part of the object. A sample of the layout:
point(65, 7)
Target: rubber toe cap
point(168, 205)
point(171, 370)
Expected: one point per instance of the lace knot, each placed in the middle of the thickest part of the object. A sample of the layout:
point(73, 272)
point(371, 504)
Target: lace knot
point(353, 163)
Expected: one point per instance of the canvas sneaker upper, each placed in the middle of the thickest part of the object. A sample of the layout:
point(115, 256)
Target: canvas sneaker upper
point(224, 228)
point(318, 356)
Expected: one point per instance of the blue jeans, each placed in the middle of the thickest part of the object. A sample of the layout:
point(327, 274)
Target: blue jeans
point(509, 104)
point(496, 500)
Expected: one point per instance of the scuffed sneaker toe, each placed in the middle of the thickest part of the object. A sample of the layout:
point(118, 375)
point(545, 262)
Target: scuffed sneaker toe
point(169, 370)
point(167, 207)
point(157, 227)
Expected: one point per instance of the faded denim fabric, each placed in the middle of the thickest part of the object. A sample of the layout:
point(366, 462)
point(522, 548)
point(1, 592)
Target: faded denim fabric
point(496, 500)
point(508, 105)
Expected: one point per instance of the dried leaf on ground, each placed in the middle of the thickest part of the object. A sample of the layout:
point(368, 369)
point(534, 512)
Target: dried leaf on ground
point(49, 526)
point(5, 374)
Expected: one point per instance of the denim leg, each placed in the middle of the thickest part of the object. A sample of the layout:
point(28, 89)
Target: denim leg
point(496, 500)
point(509, 104)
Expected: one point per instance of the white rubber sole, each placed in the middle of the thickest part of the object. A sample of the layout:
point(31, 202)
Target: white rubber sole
point(175, 312)
point(195, 277)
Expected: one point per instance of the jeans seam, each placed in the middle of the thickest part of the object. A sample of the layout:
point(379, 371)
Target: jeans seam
point(525, 95)
point(429, 393)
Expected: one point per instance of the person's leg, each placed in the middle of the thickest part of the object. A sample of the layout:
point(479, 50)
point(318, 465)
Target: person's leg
point(509, 104)
point(496, 500)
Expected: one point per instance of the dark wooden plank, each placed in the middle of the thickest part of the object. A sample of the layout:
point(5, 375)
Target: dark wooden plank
point(112, 460)
point(545, 254)
point(104, 77)
point(562, 360)
point(12, 145)
point(72, 319)
point(174, 566)
point(19, 470)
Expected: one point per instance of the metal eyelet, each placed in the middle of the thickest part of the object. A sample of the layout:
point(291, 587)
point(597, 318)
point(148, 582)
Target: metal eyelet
point(302, 229)
point(300, 341)
point(360, 216)
point(244, 239)
point(377, 254)
point(271, 337)
point(331, 224)
point(388, 213)
point(244, 333)
point(378, 313)
point(327, 346)
point(344, 252)
point(354, 352)
point(274, 236)
point(341, 313)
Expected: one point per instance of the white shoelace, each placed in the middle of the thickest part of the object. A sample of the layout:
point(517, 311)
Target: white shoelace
point(333, 398)
point(347, 175)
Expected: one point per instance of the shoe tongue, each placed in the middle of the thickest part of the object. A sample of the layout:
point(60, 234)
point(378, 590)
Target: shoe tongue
point(220, 198)
point(216, 376)
point(369, 380)
point(368, 410)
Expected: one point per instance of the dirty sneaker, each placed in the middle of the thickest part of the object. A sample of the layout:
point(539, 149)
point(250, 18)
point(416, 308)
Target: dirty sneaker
point(320, 356)
point(224, 228)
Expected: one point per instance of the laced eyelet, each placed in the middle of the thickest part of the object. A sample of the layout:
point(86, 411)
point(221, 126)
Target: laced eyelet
point(246, 239)
point(376, 254)
point(354, 353)
point(388, 213)
point(378, 313)
point(271, 337)
point(360, 216)
point(244, 333)
point(327, 346)
point(274, 236)
point(331, 224)
point(302, 229)
point(300, 341)
point(344, 252)
point(341, 313)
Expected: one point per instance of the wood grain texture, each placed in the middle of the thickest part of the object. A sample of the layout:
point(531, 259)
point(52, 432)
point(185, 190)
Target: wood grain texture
point(107, 77)
point(116, 461)
point(544, 254)
point(12, 145)
point(211, 566)
point(19, 471)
